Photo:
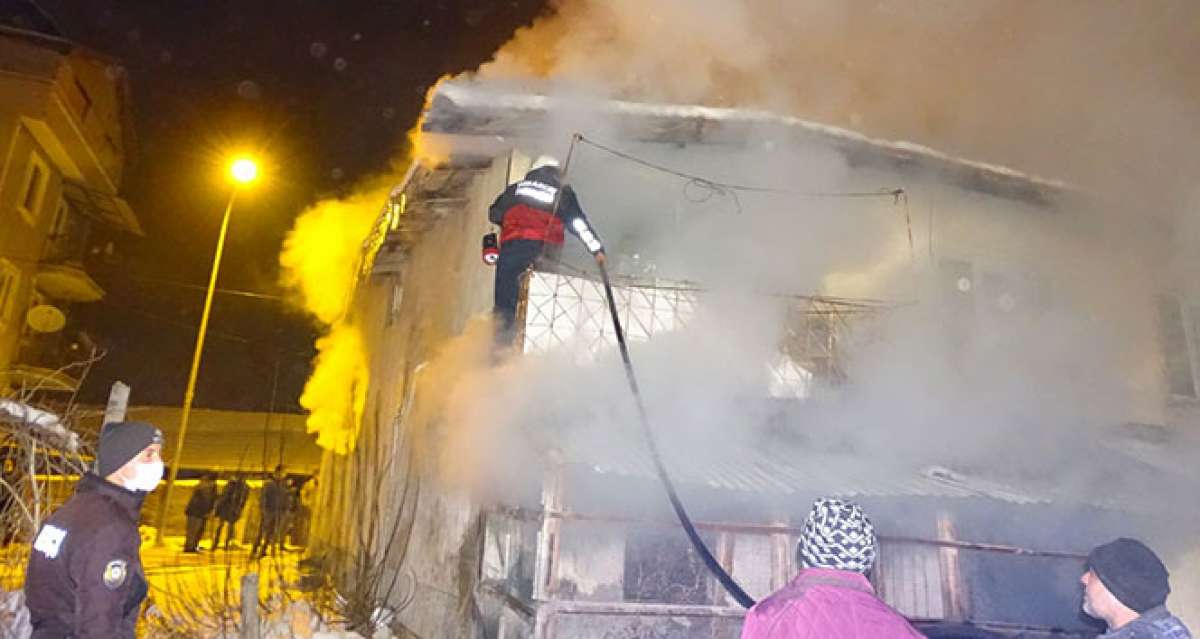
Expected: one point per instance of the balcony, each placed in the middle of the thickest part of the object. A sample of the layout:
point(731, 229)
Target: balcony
point(50, 361)
point(61, 272)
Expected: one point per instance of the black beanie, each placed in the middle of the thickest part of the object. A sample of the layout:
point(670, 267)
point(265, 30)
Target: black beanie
point(121, 442)
point(1132, 573)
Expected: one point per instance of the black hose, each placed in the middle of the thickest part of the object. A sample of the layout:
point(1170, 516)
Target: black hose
point(714, 566)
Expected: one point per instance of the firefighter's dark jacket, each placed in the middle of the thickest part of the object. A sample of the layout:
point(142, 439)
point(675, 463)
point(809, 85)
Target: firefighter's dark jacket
point(526, 210)
point(85, 577)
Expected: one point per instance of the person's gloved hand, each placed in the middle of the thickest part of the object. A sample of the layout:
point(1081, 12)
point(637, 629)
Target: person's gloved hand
point(600, 258)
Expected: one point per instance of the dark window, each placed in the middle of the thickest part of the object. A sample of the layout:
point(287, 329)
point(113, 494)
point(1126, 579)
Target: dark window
point(661, 566)
point(33, 186)
point(85, 100)
point(8, 288)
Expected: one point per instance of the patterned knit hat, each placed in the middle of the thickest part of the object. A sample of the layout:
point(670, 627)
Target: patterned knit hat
point(838, 535)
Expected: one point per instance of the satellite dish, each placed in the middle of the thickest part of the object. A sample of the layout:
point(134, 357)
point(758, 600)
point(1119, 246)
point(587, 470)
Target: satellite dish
point(44, 318)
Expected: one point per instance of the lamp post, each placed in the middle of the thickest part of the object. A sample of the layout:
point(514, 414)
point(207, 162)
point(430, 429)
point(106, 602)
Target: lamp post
point(243, 171)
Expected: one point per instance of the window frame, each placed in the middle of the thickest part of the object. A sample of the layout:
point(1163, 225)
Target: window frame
point(8, 290)
point(39, 167)
point(60, 221)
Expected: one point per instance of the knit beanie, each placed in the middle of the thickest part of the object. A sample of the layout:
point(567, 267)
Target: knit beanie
point(838, 535)
point(121, 442)
point(1131, 572)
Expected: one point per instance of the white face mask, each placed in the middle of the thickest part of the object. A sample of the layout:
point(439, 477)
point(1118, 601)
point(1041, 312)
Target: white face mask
point(145, 477)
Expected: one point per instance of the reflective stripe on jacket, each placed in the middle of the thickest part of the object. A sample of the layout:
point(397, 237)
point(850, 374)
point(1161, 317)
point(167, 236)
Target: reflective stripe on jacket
point(541, 208)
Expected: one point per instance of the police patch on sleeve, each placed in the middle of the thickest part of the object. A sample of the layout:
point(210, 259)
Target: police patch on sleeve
point(115, 573)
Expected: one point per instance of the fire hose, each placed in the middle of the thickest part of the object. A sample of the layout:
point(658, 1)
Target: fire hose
point(714, 566)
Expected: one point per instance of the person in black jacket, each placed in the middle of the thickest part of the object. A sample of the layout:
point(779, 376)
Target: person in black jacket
point(85, 579)
point(274, 504)
point(532, 214)
point(198, 509)
point(229, 509)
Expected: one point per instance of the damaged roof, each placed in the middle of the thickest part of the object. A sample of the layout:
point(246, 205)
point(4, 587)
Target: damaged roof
point(786, 467)
point(781, 469)
point(468, 108)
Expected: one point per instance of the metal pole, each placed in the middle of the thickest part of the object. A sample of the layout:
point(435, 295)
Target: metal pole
point(250, 624)
point(118, 403)
point(190, 392)
point(271, 408)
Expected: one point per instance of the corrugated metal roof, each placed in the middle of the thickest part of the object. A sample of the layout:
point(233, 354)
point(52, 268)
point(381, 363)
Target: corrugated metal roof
point(783, 469)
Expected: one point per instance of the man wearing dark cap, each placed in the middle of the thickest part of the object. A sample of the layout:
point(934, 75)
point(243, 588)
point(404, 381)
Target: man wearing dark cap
point(85, 578)
point(1126, 586)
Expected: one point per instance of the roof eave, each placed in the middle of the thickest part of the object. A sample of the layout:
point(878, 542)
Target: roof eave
point(464, 113)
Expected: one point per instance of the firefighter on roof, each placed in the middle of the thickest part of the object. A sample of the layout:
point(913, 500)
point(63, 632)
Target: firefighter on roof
point(533, 213)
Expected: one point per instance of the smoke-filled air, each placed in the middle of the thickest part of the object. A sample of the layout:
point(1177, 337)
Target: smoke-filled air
point(1100, 99)
point(1018, 85)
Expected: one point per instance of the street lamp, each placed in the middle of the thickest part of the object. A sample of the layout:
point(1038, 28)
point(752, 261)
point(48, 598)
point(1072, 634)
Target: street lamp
point(242, 170)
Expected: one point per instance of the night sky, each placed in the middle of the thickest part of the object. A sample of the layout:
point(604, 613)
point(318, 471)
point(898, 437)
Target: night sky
point(326, 90)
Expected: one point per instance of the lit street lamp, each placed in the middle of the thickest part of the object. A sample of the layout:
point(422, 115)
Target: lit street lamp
point(242, 171)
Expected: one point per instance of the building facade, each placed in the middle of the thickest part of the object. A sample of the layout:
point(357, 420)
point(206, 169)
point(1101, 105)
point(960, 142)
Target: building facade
point(65, 137)
point(571, 536)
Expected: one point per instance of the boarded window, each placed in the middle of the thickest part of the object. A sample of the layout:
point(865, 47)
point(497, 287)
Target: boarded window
point(909, 578)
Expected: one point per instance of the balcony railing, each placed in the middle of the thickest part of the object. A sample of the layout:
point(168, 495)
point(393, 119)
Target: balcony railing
point(68, 242)
point(48, 361)
point(50, 350)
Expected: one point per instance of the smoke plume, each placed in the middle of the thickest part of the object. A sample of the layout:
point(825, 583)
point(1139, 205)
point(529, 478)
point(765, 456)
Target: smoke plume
point(1099, 93)
point(1095, 93)
point(320, 261)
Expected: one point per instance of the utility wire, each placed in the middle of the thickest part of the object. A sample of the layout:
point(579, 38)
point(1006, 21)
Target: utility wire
point(201, 287)
point(155, 280)
point(193, 327)
point(716, 185)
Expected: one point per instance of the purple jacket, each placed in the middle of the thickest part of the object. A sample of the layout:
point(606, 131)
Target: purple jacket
point(825, 604)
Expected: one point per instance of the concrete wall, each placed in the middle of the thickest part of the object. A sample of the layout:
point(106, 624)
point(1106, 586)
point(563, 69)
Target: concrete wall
point(228, 440)
point(389, 494)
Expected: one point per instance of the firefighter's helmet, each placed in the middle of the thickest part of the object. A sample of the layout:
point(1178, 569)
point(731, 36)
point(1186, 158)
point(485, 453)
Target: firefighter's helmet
point(544, 161)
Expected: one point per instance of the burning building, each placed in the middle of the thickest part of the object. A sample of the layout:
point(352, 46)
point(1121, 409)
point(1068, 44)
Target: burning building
point(814, 312)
